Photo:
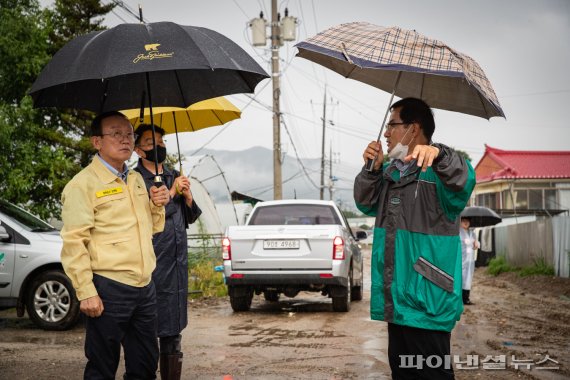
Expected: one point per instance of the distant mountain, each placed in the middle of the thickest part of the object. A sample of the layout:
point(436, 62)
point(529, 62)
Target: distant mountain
point(251, 172)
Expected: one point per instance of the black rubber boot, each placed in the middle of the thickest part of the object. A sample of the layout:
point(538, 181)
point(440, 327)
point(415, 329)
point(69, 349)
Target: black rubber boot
point(466, 300)
point(171, 366)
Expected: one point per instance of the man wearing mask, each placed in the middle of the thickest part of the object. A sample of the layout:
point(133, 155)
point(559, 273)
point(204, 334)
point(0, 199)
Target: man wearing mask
point(417, 197)
point(171, 249)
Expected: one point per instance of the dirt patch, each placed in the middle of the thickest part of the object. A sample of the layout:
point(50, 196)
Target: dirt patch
point(302, 338)
point(524, 318)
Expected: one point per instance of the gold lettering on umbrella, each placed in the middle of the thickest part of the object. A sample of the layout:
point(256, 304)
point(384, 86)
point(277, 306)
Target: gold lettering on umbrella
point(153, 53)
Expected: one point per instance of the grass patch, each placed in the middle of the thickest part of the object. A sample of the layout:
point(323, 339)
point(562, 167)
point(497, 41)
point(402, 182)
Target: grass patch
point(203, 281)
point(540, 267)
point(498, 265)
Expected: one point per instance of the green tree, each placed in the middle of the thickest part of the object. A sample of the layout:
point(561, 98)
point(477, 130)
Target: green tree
point(70, 19)
point(40, 149)
point(23, 47)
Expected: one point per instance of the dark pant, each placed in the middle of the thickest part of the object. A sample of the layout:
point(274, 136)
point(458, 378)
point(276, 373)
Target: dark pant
point(170, 344)
point(128, 319)
point(418, 353)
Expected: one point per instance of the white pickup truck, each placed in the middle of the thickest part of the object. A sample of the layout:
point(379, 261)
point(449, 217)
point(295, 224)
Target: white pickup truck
point(291, 246)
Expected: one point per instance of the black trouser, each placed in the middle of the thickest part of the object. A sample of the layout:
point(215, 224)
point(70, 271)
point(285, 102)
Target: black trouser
point(170, 344)
point(418, 353)
point(128, 319)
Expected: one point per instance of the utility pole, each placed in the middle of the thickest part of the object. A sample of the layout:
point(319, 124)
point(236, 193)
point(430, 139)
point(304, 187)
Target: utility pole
point(331, 183)
point(322, 191)
point(281, 30)
point(275, 42)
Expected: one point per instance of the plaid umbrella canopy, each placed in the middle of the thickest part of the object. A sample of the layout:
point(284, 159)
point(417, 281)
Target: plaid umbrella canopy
point(405, 63)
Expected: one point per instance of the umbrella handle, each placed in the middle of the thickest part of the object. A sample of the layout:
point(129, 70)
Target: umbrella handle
point(370, 163)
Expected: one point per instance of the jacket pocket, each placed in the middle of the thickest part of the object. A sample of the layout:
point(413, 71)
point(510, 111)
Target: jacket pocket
point(434, 274)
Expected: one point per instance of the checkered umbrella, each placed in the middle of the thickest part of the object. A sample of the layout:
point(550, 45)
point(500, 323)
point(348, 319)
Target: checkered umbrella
point(406, 64)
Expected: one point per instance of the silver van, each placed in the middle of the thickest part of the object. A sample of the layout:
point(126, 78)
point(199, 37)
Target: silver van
point(31, 275)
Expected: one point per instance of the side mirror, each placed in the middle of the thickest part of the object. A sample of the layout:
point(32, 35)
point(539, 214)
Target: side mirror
point(361, 235)
point(4, 236)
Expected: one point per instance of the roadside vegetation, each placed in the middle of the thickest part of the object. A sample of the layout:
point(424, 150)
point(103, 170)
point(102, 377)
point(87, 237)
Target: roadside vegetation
point(499, 265)
point(203, 257)
point(203, 280)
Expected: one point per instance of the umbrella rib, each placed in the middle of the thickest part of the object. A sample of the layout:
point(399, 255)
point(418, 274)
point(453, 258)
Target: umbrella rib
point(482, 103)
point(180, 88)
point(104, 96)
point(189, 120)
point(217, 117)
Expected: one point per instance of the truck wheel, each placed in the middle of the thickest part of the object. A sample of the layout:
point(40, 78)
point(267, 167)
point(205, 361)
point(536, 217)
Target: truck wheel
point(271, 295)
point(51, 302)
point(356, 292)
point(241, 303)
point(342, 303)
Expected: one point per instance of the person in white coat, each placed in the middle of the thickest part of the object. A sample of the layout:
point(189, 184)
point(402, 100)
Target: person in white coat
point(469, 244)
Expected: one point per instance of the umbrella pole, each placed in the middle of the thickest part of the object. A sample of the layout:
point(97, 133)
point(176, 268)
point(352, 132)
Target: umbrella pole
point(177, 143)
point(369, 162)
point(157, 177)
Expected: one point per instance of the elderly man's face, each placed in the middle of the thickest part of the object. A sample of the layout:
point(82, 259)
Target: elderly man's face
point(117, 143)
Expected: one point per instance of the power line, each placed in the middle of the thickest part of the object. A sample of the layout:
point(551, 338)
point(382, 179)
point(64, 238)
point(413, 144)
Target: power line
point(241, 9)
point(129, 10)
point(297, 155)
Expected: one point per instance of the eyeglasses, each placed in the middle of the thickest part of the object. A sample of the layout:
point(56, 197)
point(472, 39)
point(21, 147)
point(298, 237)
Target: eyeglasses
point(118, 136)
point(391, 126)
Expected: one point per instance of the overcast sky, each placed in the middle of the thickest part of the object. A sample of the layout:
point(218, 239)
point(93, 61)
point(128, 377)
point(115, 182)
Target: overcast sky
point(522, 45)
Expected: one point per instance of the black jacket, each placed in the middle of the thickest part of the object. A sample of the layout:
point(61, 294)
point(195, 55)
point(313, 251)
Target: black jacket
point(171, 249)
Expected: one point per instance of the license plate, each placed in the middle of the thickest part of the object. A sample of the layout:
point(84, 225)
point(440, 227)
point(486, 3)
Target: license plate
point(281, 244)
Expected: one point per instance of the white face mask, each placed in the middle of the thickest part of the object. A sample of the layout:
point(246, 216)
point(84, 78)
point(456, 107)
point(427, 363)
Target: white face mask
point(400, 151)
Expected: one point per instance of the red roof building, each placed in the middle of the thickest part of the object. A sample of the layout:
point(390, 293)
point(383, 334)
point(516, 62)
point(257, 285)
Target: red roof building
point(525, 182)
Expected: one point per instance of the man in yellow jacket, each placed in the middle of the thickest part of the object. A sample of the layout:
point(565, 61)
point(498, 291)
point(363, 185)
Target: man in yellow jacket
point(107, 253)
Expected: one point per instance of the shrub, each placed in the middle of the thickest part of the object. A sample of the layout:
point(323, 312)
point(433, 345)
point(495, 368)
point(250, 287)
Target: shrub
point(540, 267)
point(204, 281)
point(498, 265)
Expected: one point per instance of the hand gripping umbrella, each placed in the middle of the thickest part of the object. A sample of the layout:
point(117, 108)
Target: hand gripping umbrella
point(114, 69)
point(480, 216)
point(204, 114)
point(406, 64)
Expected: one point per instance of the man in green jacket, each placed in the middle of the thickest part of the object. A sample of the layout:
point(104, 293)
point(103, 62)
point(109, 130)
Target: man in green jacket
point(416, 196)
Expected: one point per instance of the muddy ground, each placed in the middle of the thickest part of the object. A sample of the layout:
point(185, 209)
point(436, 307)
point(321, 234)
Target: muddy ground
point(302, 338)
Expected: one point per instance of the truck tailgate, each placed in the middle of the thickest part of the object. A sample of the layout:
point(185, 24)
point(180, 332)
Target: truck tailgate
point(275, 248)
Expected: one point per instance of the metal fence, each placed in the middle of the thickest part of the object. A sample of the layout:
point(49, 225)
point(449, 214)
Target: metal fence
point(204, 246)
point(545, 239)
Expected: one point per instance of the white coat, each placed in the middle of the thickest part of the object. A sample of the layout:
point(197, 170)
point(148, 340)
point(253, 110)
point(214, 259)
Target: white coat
point(468, 244)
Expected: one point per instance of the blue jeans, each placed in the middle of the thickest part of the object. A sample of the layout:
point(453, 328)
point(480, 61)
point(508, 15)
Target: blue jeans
point(129, 319)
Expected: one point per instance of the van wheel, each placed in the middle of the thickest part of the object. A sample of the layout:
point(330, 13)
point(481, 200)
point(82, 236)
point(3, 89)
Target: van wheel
point(51, 302)
point(241, 303)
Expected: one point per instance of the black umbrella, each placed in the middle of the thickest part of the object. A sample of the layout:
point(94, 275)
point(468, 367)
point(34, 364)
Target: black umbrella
point(480, 216)
point(114, 69)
